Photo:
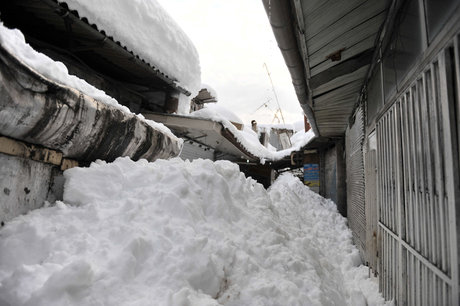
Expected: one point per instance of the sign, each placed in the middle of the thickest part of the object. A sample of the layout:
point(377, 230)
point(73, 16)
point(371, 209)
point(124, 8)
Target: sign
point(311, 175)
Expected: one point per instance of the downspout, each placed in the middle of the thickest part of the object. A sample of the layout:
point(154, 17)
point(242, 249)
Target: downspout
point(279, 15)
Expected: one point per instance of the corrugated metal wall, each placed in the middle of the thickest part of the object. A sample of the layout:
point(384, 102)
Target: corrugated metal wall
point(193, 150)
point(418, 185)
point(370, 162)
point(330, 174)
point(356, 212)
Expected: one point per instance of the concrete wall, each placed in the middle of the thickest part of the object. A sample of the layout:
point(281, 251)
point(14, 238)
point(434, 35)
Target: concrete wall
point(26, 184)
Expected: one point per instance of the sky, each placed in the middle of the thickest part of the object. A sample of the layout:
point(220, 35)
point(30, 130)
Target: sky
point(234, 40)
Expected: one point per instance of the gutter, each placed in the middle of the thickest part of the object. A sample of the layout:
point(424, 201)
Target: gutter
point(38, 111)
point(281, 21)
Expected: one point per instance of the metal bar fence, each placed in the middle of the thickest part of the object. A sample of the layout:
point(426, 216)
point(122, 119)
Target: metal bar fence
point(417, 154)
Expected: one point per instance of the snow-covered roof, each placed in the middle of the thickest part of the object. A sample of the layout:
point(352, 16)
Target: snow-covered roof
point(145, 28)
point(247, 138)
point(12, 42)
point(217, 112)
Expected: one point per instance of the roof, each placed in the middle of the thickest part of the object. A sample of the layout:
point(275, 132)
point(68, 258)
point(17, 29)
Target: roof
point(38, 110)
point(331, 49)
point(49, 24)
point(210, 133)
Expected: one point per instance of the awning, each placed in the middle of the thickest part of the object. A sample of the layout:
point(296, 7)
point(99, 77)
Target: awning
point(204, 131)
point(328, 47)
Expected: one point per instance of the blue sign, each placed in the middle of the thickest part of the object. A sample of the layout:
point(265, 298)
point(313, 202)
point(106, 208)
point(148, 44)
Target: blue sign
point(311, 175)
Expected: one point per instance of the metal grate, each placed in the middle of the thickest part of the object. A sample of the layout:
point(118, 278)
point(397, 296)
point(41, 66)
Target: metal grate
point(417, 179)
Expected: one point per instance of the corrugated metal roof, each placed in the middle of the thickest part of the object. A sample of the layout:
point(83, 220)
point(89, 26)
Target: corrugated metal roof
point(340, 37)
point(65, 28)
point(205, 131)
point(336, 40)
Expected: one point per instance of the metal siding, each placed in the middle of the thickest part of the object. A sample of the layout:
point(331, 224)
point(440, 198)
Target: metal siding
point(417, 161)
point(370, 163)
point(356, 211)
point(193, 151)
point(330, 174)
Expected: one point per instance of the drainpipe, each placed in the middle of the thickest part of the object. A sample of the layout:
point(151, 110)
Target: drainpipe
point(281, 21)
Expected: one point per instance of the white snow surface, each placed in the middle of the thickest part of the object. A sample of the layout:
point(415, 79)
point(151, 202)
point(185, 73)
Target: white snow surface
point(181, 233)
point(13, 41)
point(216, 112)
point(146, 29)
point(247, 137)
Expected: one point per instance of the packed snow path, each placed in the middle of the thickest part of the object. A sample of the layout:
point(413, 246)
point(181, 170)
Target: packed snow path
point(181, 233)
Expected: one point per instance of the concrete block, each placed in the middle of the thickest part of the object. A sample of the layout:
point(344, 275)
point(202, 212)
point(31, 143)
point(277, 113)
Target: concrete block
point(26, 184)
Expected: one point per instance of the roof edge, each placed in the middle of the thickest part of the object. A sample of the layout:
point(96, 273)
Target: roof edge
point(279, 14)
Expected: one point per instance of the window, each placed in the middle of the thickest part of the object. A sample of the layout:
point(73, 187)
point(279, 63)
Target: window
point(404, 47)
point(437, 13)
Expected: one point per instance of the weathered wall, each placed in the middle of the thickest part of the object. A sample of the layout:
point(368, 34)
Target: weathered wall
point(26, 184)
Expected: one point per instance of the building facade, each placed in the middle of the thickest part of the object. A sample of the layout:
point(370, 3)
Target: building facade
point(382, 79)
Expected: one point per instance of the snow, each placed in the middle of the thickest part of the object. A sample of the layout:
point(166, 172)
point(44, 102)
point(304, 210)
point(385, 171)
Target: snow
point(145, 28)
point(13, 41)
point(181, 233)
point(247, 137)
point(217, 113)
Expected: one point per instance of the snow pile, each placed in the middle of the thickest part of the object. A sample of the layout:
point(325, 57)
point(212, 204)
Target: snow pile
point(181, 233)
point(247, 137)
point(13, 41)
point(145, 28)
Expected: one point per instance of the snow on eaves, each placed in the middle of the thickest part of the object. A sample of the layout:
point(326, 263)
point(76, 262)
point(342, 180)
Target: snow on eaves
point(146, 29)
point(247, 138)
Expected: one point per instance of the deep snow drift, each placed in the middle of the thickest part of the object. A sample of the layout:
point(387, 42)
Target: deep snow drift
point(181, 233)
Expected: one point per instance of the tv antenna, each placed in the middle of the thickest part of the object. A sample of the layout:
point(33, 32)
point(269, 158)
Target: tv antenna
point(276, 96)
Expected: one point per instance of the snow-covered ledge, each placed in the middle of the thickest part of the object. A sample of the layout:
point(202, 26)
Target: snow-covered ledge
point(37, 110)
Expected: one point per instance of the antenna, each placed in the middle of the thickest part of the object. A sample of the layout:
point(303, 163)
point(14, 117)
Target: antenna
point(262, 105)
point(274, 92)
